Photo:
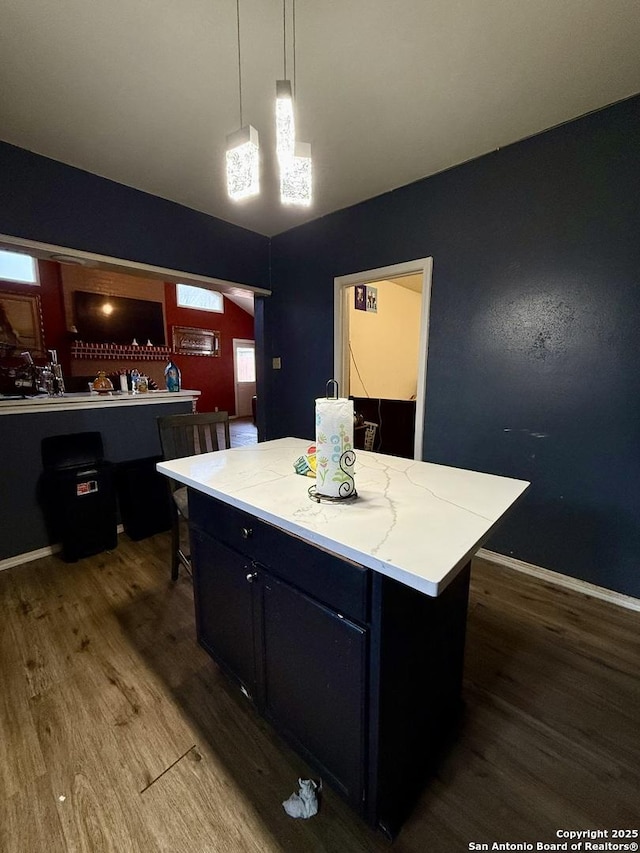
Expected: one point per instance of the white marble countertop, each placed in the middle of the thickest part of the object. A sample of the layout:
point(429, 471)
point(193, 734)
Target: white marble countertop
point(86, 400)
point(416, 522)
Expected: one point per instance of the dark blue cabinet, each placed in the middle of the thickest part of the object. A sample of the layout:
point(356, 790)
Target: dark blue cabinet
point(315, 683)
point(360, 674)
point(303, 664)
point(224, 608)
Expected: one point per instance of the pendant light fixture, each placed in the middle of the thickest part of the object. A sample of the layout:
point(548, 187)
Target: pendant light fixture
point(243, 148)
point(296, 177)
point(285, 122)
point(294, 158)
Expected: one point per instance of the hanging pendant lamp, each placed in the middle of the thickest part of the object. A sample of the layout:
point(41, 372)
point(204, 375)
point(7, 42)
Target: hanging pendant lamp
point(285, 122)
point(243, 148)
point(294, 158)
point(296, 177)
point(243, 163)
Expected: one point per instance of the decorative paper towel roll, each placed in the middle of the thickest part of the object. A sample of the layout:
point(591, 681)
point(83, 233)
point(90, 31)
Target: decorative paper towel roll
point(334, 437)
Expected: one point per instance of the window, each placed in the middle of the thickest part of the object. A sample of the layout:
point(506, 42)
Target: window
point(17, 267)
point(245, 364)
point(199, 298)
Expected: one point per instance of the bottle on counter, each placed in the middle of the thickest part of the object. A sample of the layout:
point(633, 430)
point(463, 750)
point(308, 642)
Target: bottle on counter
point(135, 378)
point(172, 376)
point(143, 384)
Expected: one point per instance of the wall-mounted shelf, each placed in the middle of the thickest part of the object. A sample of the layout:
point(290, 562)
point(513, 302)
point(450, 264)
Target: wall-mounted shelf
point(119, 351)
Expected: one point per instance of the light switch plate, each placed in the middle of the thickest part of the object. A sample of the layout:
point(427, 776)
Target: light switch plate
point(276, 363)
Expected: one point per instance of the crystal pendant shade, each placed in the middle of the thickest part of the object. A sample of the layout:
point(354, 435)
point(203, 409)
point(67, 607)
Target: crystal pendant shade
point(243, 163)
point(285, 123)
point(296, 177)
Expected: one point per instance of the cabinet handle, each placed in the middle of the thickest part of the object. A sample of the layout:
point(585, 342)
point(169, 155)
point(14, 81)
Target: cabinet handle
point(246, 532)
point(252, 576)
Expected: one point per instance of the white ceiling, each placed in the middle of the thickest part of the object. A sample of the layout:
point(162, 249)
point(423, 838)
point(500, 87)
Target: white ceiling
point(145, 91)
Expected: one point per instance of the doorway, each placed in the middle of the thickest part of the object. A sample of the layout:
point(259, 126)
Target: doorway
point(380, 349)
point(244, 375)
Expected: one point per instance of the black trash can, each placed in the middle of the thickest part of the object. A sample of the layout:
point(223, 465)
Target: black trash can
point(143, 495)
point(80, 498)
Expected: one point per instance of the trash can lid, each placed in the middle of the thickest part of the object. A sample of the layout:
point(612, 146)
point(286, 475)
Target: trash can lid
point(72, 450)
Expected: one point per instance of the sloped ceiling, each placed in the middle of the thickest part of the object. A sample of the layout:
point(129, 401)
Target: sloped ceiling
point(145, 92)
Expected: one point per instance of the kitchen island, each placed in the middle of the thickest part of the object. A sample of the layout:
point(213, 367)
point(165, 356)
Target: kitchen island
point(127, 423)
point(343, 623)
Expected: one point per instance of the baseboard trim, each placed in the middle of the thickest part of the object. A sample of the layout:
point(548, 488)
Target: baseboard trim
point(575, 584)
point(30, 556)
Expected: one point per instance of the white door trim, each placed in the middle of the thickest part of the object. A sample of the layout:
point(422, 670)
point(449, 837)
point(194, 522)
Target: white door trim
point(420, 265)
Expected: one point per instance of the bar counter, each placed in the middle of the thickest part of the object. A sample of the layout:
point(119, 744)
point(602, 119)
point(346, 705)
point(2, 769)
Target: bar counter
point(84, 400)
point(129, 432)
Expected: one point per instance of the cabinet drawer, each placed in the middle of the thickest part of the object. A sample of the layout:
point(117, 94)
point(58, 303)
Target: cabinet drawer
point(336, 582)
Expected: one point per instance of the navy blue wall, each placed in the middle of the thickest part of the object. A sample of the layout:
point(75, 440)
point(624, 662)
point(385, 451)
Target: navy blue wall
point(534, 352)
point(42, 199)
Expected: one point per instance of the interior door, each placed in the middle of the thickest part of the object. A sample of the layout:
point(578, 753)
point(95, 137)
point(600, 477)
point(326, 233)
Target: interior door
point(244, 372)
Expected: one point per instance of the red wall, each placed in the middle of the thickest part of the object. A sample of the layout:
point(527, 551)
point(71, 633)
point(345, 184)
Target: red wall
point(212, 376)
point(55, 327)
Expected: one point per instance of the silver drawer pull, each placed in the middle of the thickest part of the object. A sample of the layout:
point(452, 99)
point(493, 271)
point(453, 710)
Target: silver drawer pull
point(246, 532)
point(252, 576)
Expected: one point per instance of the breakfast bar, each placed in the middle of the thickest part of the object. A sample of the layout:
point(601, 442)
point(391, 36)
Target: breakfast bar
point(343, 623)
point(126, 422)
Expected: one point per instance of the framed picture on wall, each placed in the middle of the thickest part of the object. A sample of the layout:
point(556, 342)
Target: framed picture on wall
point(20, 323)
point(191, 341)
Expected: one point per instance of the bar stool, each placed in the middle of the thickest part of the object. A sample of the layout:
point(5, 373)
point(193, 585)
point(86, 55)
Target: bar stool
point(188, 435)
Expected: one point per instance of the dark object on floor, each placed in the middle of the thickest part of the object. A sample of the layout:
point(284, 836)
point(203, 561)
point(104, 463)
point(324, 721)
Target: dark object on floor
point(145, 505)
point(396, 421)
point(79, 495)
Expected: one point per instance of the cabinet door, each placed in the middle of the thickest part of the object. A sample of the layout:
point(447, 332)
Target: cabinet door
point(224, 606)
point(314, 681)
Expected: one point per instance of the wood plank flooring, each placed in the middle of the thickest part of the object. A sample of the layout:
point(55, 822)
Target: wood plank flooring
point(117, 733)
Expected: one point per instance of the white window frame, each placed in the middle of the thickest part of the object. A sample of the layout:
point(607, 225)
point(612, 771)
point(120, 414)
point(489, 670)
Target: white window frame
point(193, 289)
point(34, 263)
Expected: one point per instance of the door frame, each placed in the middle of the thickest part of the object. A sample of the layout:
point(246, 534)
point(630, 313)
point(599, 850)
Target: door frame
point(239, 342)
point(422, 266)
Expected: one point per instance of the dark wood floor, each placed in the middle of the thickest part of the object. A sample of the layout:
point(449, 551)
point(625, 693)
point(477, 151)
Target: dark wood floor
point(117, 733)
point(243, 431)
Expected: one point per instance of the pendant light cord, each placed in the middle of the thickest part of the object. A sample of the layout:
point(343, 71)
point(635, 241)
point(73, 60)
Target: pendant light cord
point(239, 61)
point(284, 37)
point(284, 41)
